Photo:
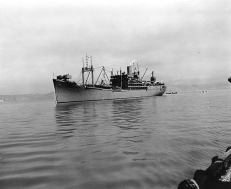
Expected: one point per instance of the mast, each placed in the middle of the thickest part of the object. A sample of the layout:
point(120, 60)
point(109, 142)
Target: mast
point(120, 78)
point(83, 72)
point(92, 70)
point(87, 60)
point(87, 69)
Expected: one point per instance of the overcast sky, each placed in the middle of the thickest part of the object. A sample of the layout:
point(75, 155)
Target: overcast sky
point(177, 39)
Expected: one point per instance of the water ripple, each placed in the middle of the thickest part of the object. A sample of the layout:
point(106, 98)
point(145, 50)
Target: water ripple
point(139, 143)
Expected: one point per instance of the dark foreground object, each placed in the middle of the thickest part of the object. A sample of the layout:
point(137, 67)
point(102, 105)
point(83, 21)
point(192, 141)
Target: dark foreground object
point(216, 176)
point(229, 79)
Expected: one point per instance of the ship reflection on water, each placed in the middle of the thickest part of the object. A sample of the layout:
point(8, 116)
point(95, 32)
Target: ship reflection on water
point(124, 114)
point(73, 116)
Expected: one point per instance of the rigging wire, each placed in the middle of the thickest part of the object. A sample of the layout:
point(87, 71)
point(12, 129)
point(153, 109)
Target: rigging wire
point(78, 78)
point(98, 77)
point(87, 77)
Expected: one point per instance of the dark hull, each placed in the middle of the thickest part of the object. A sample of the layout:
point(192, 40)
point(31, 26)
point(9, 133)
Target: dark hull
point(70, 92)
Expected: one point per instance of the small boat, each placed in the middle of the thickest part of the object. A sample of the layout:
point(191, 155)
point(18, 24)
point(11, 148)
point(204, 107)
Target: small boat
point(171, 92)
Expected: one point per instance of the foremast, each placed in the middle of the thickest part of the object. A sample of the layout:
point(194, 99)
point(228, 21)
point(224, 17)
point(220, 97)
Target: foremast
point(89, 69)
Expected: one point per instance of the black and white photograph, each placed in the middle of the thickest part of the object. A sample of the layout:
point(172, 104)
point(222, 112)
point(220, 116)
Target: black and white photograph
point(115, 94)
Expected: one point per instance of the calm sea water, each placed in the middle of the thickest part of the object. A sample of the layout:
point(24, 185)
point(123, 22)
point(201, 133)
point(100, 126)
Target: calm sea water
point(148, 143)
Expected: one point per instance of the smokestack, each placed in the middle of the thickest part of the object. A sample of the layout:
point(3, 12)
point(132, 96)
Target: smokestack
point(129, 70)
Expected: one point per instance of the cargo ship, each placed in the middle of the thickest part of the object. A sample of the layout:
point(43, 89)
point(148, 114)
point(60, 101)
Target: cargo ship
point(121, 86)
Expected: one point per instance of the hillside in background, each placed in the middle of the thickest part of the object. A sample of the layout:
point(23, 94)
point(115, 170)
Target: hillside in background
point(198, 84)
point(27, 97)
point(197, 87)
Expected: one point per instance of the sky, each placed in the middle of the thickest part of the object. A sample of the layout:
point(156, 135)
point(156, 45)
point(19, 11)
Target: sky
point(177, 39)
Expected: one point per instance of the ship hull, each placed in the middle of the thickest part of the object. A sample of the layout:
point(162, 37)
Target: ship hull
point(66, 92)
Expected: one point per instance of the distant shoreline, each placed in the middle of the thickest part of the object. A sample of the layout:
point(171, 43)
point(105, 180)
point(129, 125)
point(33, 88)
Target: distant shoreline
point(51, 95)
point(27, 97)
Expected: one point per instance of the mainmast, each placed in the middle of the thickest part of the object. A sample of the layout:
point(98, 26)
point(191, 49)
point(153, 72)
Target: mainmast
point(83, 72)
point(121, 78)
point(92, 70)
